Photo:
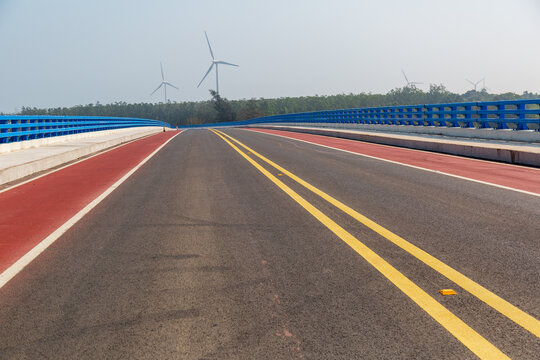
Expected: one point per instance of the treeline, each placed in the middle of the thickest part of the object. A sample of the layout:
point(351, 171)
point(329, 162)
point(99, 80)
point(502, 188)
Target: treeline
point(219, 109)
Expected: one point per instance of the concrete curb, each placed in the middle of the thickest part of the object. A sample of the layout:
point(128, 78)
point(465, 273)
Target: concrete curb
point(20, 171)
point(411, 130)
point(511, 154)
point(28, 144)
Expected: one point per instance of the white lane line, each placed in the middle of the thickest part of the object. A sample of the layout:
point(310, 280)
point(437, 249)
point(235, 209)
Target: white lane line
point(403, 164)
point(26, 259)
point(402, 147)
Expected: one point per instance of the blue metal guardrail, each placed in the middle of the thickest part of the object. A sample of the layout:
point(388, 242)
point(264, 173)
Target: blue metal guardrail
point(514, 114)
point(20, 128)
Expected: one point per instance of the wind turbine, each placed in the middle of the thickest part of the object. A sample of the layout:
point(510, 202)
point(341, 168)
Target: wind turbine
point(484, 88)
point(407, 80)
point(163, 83)
point(475, 84)
point(214, 62)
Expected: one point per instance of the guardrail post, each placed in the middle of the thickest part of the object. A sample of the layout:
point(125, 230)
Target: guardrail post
point(501, 116)
point(441, 121)
point(484, 123)
point(522, 117)
point(468, 116)
point(453, 116)
point(429, 118)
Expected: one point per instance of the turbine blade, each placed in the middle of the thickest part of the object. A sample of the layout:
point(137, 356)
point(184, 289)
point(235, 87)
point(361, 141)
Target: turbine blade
point(172, 85)
point(209, 47)
point(205, 75)
point(162, 76)
point(470, 82)
point(405, 76)
point(226, 63)
point(160, 85)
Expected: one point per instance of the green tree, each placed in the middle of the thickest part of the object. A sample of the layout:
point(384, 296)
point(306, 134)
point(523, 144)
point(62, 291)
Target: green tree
point(219, 109)
point(249, 110)
point(224, 110)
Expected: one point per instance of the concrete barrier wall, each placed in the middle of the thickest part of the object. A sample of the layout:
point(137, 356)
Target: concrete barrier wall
point(28, 166)
point(28, 144)
point(463, 148)
point(470, 133)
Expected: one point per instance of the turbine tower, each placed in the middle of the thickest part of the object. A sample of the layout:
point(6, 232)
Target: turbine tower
point(409, 83)
point(164, 84)
point(475, 84)
point(214, 62)
point(484, 88)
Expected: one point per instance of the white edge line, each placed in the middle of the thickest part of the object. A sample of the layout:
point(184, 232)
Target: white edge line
point(403, 164)
point(26, 259)
point(403, 147)
point(78, 161)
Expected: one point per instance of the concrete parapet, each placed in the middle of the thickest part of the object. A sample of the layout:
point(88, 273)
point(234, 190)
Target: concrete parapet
point(470, 133)
point(29, 157)
point(516, 153)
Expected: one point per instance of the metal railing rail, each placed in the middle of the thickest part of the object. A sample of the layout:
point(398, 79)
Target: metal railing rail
point(21, 128)
point(513, 114)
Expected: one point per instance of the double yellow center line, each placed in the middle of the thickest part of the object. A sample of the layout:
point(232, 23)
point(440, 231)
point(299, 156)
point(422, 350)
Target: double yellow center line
point(470, 338)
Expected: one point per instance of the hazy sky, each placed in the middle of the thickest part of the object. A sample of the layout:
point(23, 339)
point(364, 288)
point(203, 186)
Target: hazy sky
point(69, 52)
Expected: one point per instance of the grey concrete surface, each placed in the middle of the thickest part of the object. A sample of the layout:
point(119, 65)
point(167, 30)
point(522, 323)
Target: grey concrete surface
point(514, 152)
point(529, 136)
point(199, 256)
point(28, 160)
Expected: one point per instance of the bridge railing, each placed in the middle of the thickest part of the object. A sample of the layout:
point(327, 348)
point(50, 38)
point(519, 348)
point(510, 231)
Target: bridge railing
point(20, 128)
point(514, 114)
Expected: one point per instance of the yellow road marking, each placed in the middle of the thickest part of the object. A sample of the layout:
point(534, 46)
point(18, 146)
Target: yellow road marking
point(459, 329)
point(504, 307)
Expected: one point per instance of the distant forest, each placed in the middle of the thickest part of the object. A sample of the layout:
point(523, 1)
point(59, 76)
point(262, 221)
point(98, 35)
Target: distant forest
point(219, 109)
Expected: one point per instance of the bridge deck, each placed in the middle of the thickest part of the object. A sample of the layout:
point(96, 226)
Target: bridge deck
point(203, 254)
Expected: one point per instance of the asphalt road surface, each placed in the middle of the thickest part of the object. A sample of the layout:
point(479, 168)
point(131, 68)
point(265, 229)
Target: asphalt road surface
point(210, 252)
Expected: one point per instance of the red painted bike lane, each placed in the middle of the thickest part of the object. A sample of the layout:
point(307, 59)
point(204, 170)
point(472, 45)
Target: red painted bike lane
point(516, 177)
point(32, 211)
